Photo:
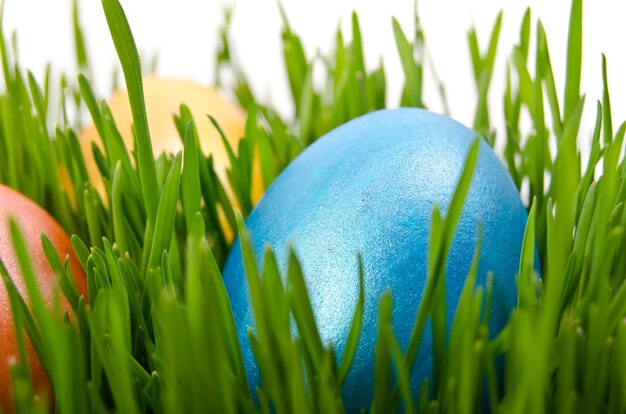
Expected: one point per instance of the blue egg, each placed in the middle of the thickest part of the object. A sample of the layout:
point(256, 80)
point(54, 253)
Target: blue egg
point(369, 187)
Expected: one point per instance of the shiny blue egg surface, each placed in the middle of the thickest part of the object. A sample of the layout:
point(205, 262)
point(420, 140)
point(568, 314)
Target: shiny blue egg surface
point(369, 187)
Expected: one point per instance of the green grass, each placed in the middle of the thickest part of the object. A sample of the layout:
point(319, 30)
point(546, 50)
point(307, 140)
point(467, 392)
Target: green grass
point(157, 334)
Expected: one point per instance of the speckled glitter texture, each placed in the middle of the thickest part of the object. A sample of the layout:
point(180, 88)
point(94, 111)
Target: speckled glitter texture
point(369, 187)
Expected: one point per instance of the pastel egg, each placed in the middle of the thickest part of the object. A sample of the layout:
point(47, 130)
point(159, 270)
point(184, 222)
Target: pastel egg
point(369, 188)
point(32, 221)
point(163, 97)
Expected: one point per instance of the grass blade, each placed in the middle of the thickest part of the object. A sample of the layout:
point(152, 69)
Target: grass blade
point(131, 66)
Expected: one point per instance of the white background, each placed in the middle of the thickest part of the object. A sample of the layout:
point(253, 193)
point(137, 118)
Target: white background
point(183, 32)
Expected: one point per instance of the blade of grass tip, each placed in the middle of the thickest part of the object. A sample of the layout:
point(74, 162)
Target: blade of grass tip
point(511, 116)
point(67, 284)
point(525, 34)
point(116, 151)
point(574, 58)
point(420, 47)
point(182, 120)
point(245, 149)
point(539, 145)
point(131, 66)
point(223, 55)
point(412, 70)
point(462, 188)
point(37, 97)
point(118, 214)
point(548, 78)
point(6, 62)
point(352, 97)
point(93, 285)
point(269, 166)
point(46, 85)
point(166, 214)
point(295, 59)
point(102, 163)
point(238, 183)
point(355, 330)
point(119, 290)
point(527, 256)
point(250, 130)
point(190, 185)
point(82, 60)
point(339, 59)
point(81, 250)
point(606, 103)
point(490, 58)
point(210, 192)
point(63, 118)
point(93, 215)
point(357, 64)
point(76, 155)
point(357, 44)
point(594, 157)
point(89, 98)
point(477, 60)
point(483, 81)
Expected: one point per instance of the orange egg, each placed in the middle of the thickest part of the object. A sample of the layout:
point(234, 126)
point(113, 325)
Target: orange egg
point(163, 97)
point(32, 220)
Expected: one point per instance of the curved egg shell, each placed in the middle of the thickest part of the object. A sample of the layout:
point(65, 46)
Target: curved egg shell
point(163, 97)
point(32, 220)
point(369, 187)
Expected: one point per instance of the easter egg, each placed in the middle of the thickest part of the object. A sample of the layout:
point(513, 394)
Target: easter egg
point(163, 97)
point(32, 221)
point(369, 188)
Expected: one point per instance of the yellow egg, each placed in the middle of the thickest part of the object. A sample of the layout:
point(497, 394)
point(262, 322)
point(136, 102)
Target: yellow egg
point(163, 97)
